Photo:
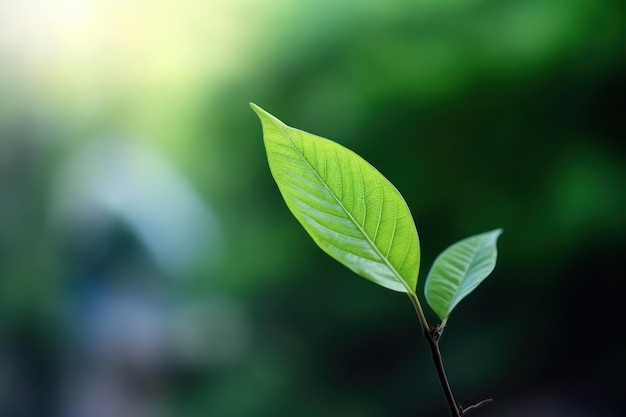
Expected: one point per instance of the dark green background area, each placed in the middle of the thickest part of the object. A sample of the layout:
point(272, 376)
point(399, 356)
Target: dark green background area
point(483, 114)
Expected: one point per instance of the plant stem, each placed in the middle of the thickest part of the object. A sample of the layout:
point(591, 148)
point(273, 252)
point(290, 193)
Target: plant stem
point(433, 341)
point(432, 335)
point(420, 312)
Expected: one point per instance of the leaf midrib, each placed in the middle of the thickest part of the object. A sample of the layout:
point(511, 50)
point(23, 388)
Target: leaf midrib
point(465, 274)
point(281, 126)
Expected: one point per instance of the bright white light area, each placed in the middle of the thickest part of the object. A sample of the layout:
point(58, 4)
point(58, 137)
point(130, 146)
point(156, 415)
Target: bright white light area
point(119, 43)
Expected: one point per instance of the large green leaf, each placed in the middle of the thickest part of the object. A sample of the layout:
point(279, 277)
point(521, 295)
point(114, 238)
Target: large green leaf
point(349, 208)
point(458, 271)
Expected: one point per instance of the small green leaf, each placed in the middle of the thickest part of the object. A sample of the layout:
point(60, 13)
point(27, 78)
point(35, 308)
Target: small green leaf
point(458, 271)
point(349, 208)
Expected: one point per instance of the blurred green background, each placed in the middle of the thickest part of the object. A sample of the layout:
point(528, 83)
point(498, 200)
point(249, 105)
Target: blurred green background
point(149, 267)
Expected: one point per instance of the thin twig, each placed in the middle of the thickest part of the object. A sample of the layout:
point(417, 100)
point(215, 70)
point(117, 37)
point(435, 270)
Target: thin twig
point(475, 406)
point(432, 337)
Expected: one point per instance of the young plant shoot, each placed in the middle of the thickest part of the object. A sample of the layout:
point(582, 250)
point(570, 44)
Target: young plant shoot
point(359, 218)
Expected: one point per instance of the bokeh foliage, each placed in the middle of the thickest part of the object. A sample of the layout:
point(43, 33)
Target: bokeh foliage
point(484, 113)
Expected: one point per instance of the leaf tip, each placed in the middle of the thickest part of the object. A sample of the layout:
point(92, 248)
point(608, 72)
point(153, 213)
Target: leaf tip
point(260, 112)
point(255, 108)
point(493, 235)
point(264, 116)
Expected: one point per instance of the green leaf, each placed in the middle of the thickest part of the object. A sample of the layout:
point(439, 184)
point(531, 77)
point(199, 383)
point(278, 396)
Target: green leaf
point(349, 208)
point(458, 271)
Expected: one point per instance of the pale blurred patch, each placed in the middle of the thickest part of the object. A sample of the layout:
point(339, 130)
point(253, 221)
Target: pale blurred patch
point(137, 62)
point(138, 42)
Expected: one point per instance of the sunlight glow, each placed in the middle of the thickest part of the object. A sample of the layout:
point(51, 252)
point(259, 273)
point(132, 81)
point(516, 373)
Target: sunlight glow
point(125, 44)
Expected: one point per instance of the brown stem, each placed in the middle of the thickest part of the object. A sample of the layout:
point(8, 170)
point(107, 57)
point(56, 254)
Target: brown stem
point(432, 336)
